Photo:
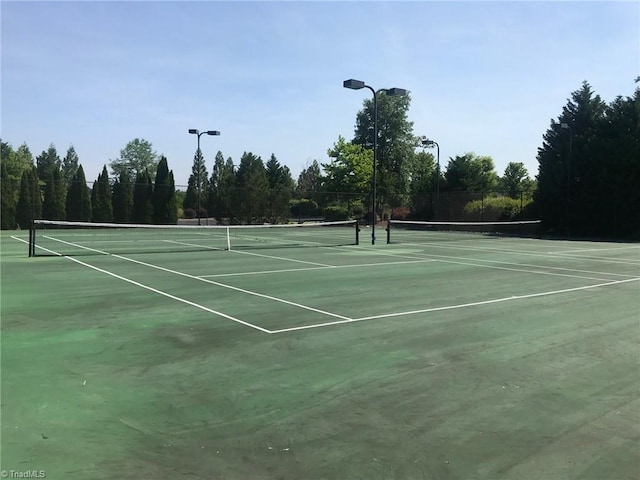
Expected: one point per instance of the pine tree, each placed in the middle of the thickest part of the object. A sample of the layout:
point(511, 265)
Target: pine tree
point(53, 207)
point(164, 195)
point(281, 186)
point(48, 161)
point(252, 189)
point(29, 205)
point(101, 198)
point(565, 161)
point(79, 198)
point(143, 199)
point(69, 164)
point(8, 188)
point(122, 199)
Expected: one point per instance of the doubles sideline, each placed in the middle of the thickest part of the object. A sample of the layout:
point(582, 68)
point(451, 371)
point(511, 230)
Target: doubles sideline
point(341, 319)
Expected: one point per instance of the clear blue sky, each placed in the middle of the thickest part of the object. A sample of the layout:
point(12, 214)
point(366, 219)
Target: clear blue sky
point(485, 77)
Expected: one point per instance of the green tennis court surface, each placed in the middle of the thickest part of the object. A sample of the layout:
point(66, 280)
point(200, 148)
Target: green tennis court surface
point(477, 357)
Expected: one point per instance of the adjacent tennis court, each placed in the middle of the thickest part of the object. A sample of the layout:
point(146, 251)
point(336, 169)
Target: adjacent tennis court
point(299, 353)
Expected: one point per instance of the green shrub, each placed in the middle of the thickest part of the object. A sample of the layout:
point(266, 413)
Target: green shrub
point(335, 213)
point(303, 208)
point(495, 208)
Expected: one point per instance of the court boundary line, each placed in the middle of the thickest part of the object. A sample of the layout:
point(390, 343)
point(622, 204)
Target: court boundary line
point(212, 282)
point(451, 307)
point(342, 319)
point(154, 290)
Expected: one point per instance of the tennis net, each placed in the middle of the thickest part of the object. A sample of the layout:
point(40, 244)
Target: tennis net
point(48, 237)
point(405, 231)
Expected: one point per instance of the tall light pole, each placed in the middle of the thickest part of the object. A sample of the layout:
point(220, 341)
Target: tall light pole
point(357, 85)
point(426, 143)
point(193, 131)
point(566, 126)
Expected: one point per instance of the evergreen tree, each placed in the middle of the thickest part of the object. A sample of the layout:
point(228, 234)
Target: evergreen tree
point(29, 205)
point(122, 199)
point(101, 198)
point(164, 195)
point(252, 189)
point(143, 199)
point(281, 186)
point(79, 198)
point(222, 188)
point(564, 159)
point(69, 165)
point(197, 195)
point(8, 189)
point(55, 190)
point(48, 161)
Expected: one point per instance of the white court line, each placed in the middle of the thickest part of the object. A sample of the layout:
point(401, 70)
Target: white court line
point(330, 267)
point(212, 282)
point(249, 253)
point(597, 249)
point(154, 290)
point(231, 287)
point(456, 261)
point(537, 266)
point(343, 319)
point(451, 307)
point(519, 252)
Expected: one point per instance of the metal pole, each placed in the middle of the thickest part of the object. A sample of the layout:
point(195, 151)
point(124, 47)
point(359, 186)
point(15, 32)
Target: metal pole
point(198, 176)
point(569, 182)
point(375, 163)
point(438, 175)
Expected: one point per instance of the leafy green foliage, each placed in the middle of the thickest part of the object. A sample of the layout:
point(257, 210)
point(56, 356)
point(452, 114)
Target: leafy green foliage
point(471, 173)
point(335, 213)
point(136, 157)
point(395, 143)
point(496, 208)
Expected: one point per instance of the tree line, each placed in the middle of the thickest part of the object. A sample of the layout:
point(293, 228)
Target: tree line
point(588, 181)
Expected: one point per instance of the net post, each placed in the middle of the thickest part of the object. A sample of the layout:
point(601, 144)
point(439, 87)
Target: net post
point(228, 238)
point(32, 239)
point(357, 224)
point(388, 231)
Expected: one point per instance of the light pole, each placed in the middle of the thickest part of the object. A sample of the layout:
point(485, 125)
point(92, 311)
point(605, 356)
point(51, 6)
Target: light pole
point(357, 85)
point(193, 131)
point(426, 143)
point(566, 126)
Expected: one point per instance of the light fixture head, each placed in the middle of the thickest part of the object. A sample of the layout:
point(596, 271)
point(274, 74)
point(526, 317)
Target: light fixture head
point(213, 132)
point(193, 131)
point(353, 84)
point(396, 92)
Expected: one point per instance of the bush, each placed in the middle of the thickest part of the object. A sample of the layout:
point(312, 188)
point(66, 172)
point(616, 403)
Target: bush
point(335, 213)
point(303, 208)
point(495, 208)
point(189, 213)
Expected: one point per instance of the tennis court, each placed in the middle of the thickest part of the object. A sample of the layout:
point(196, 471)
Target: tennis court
point(302, 355)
